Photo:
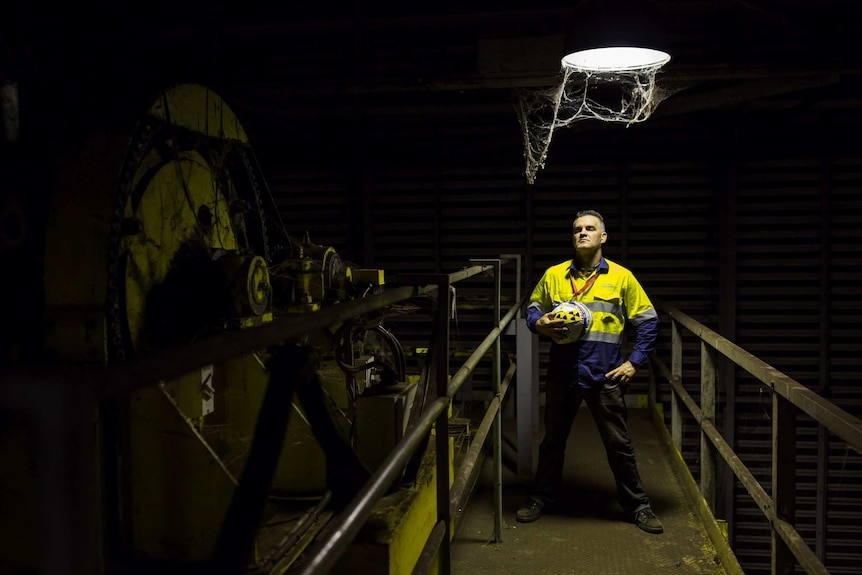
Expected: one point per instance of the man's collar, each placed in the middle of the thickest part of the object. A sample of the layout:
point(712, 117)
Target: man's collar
point(602, 266)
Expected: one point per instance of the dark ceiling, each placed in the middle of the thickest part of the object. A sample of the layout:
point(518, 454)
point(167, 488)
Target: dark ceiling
point(321, 58)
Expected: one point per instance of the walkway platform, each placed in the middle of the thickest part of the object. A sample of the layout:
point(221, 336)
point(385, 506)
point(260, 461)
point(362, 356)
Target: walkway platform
point(587, 533)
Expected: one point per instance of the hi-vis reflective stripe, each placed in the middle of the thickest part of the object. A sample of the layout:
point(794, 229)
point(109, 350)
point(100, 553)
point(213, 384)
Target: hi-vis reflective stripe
point(604, 306)
point(644, 316)
point(603, 336)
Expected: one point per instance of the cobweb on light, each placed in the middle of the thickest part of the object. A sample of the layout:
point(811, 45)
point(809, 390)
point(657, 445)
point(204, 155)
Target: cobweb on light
point(626, 97)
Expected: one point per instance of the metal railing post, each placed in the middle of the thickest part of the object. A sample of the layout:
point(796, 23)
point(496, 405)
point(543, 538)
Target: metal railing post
point(498, 421)
point(676, 374)
point(783, 479)
point(789, 548)
point(708, 373)
point(517, 258)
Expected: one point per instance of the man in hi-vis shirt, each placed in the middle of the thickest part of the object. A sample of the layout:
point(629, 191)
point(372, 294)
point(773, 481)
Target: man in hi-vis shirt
point(605, 297)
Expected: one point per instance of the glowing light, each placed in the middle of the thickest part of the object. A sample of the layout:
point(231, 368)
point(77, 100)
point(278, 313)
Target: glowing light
point(616, 59)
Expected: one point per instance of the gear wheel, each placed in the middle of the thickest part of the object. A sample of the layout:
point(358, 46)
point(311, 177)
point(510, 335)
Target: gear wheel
point(189, 189)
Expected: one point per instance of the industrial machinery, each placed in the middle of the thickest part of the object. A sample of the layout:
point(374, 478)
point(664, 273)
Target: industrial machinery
point(176, 240)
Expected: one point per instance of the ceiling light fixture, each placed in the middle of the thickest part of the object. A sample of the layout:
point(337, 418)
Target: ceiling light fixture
point(616, 59)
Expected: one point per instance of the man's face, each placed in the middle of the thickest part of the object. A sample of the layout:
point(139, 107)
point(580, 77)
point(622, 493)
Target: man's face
point(587, 233)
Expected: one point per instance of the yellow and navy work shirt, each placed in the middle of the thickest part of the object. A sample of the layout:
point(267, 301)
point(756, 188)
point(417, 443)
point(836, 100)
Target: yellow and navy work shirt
point(614, 298)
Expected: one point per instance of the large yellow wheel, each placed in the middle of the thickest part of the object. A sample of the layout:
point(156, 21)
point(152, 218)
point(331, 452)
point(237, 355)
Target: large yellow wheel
point(187, 255)
point(188, 206)
point(173, 248)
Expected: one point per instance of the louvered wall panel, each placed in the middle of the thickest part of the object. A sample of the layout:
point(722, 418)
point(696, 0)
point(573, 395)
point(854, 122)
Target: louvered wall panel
point(778, 264)
point(672, 244)
point(315, 203)
point(778, 309)
point(483, 215)
point(781, 310)
point(845, 278)
point(844, 490)
point(406, 223)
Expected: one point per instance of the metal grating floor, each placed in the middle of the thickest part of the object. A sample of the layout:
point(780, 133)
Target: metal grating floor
point(587, 534)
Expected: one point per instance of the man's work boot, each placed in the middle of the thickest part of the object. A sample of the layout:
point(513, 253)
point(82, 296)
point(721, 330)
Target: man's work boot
point(531, 510)
point(646, 520)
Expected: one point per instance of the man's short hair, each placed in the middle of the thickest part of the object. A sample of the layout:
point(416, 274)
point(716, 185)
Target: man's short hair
point(583, 213)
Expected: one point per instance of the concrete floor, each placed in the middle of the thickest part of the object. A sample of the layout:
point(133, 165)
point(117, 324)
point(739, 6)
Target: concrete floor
point(587, 534)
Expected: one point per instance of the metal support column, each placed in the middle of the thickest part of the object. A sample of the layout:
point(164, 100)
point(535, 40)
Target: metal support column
point(496, 374)
point(441, 318)
point(526, 393)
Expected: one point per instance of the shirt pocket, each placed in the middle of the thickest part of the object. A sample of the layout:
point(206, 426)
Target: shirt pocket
point(607, 294)
point(608, 308)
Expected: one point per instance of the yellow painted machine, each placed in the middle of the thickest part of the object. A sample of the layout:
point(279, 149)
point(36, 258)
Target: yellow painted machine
point(161, 238)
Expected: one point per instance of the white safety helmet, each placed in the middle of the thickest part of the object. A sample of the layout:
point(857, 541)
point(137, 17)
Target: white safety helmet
point(578, 319)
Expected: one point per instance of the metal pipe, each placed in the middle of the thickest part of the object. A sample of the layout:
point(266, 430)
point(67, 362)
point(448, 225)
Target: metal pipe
point(461, 375)
point(427, 287)
point(455, 277)
point(469, 272)
point(459, 486)
point(119, 379)
point(302, 527)
point(325, 554)
point(498, 420)
point(429, 551)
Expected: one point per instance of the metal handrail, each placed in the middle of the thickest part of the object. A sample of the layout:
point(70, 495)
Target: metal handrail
point(838, 421)
point(788, 533)
point(326, 553)
point(20, 388)
point(835, 419)
point(460, 486)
